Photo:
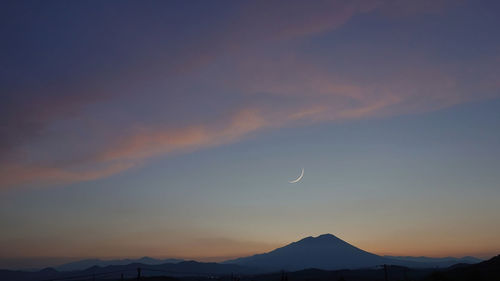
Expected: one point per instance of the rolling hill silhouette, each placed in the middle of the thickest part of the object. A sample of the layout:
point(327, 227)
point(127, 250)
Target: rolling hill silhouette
point(435, 262)
point(180, 269)
point(485, 271)
point(86, 263)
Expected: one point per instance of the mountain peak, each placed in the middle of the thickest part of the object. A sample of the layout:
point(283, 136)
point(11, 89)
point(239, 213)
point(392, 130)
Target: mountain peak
point(327, 236)
point(323, 238)
point(325, 251)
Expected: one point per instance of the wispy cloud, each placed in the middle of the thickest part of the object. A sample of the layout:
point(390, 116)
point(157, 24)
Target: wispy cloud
point(149, 142)
point(128, 152)
point(273, 81)
point(42, 174)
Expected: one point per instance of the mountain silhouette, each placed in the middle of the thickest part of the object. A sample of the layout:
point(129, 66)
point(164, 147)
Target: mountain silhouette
point(181, 269)
point(485, 271)
point(329, 252)
point(324, 252)
point(86, 263)
point(434, 262)
point(311, 256)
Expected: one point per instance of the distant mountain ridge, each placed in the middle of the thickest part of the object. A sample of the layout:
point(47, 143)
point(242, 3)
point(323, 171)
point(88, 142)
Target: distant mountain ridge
point(437, 262)
point(485, 271)
point(185, 271)
point(180, 269)
point(323, 252)
point(86, 263)
point(326, 252)
point(329, 252)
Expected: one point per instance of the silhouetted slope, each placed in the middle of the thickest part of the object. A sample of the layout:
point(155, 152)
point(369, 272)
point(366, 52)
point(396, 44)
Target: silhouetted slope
point(427, 262)
point(187, 268)
point(324, 252)
point(484, 271)
point(394, 273)
point(17, 275)
point(86, 263)
point(195, 271)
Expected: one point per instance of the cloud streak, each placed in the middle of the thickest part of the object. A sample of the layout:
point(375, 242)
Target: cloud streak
point(257, 55)
point(295, 98)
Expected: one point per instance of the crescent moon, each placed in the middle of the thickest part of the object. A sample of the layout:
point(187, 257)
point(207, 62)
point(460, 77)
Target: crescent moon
point(299, 178)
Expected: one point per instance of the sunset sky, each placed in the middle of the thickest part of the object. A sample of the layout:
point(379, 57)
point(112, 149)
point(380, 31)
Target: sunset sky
point(172, 128)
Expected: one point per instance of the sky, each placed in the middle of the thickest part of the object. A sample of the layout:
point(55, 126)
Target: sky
point(173, 128)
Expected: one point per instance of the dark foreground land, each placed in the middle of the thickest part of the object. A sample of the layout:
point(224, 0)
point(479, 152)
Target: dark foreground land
point(192, 271)
point(484, 271)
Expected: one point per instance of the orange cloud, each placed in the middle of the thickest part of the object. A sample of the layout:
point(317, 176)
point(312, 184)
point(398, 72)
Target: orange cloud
point(145, 143)
point(275, 90)
point(13, 175)
point(290, 97)
point(151, 142)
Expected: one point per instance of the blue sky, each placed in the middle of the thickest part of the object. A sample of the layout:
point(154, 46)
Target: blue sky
point(172, 129)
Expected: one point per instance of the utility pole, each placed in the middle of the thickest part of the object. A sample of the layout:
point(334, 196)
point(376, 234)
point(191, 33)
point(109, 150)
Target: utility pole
point(385, 272)
point(284, 277)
